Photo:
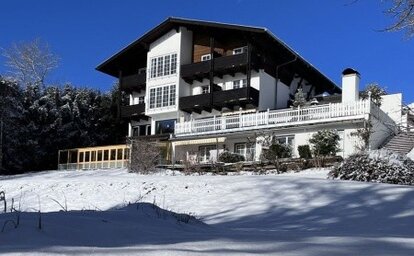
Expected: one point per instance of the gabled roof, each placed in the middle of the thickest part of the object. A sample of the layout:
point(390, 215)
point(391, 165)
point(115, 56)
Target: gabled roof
point(140, 46)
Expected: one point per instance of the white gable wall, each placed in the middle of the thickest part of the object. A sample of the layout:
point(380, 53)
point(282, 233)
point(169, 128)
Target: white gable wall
point(392, 105)
point(267, 90)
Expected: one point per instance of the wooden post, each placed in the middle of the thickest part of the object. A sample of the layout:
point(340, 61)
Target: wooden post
point(1, 141)
point(211, 74)
point(214, 122)
point(267, 116)
point(248, 70)
point(240, 118)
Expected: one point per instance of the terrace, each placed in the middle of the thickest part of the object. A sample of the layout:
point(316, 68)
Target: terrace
point(326, 113)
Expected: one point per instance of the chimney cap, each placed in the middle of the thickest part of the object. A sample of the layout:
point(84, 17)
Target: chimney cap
point(350, 71)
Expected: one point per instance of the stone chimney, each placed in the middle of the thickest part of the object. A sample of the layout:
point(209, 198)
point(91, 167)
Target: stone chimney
point(350, 85)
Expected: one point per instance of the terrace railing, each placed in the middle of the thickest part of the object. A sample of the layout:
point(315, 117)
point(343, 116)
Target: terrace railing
point(276, 118)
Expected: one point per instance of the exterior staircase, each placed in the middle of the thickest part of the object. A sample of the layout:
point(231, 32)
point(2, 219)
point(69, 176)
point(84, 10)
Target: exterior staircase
point(401, 143)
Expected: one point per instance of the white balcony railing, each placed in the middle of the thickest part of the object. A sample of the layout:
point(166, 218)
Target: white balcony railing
point(275, 118)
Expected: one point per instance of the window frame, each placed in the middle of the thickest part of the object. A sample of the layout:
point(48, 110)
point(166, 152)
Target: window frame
point(247, 150)
point(204, 151)
point(205, 57)
point(164, 65)
point(241, 83)
point(162, 96)
point(205, 89)
point(242, 50)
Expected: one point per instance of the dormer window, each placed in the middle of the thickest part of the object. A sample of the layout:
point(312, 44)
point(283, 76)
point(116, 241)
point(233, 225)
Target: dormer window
point(239, 50)
point(206, 57)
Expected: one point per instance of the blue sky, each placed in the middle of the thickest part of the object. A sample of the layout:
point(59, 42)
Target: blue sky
point(330, 34)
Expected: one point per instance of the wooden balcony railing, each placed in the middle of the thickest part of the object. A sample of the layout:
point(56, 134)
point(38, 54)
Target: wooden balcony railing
point(132, 111)
point(227, 98)
point(222, 65)
point(133, 82)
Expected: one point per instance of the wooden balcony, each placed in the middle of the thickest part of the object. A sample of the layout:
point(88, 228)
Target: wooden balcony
point(335, 112)
point(222, 65)
point(134, 82)
point(134, 112)
point(196, 103)
point(242, 97)
point(237, 97)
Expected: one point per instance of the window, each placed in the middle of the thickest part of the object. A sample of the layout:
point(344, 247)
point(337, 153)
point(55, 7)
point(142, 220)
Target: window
point(239, 50)
point(167, 65)
point(162, 96)
point(237, 84)
point(119, 154)
point(87, 156)
point(113, 154)
point(135, 131)
point(159, 97)
point(126, 153)
point(205, 89)
point(153, 67)
point(141, 100)
point(152, 98)
point(204, 152)
point(163, 65)
point(164, 126)
point(206, 57)
point(173, 63)
point(142, 130)
point(288, 140)
point(160, 66)
point(172, 95)
point(165, 96)
point(246, 150)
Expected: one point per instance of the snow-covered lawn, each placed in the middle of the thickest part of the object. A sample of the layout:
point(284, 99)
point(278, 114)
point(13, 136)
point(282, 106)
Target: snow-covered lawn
point(290, 214)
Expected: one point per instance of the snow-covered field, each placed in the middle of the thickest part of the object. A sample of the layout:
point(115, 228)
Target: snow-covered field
point(290, 214)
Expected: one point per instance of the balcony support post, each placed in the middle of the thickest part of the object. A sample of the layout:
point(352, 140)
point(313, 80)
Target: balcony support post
point(211, 73)
point(248, 70)
point(267, 116)
point(214, 122)
point(240, 118)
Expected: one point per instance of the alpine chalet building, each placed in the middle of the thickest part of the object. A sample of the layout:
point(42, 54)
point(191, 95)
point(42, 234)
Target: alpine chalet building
point(202, 87)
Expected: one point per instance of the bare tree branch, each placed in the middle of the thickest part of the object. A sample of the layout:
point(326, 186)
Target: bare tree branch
point(402, 11)
point(30, 62)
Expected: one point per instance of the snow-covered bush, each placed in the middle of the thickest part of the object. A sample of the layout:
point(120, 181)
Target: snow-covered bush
point(324, 143)
point(376, 166)
point(276, 152)
point(304, 151)
point(144, 156)
point(228, 157)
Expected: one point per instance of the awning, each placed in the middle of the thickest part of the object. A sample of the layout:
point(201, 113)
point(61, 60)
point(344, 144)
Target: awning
point(199, 141)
